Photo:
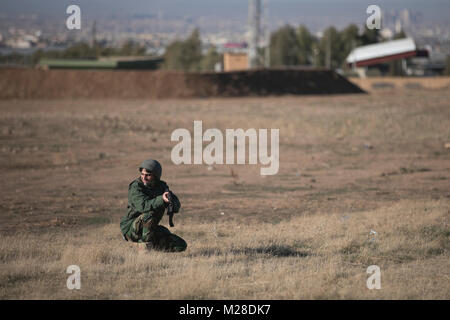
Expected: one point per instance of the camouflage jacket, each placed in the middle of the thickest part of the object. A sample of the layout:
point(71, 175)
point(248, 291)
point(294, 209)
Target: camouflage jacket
point(145, 200)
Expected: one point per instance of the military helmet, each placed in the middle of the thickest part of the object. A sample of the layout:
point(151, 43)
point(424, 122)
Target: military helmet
point(152, 166)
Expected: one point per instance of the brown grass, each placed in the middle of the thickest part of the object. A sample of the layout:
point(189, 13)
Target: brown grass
point(348, 165)
point(319, 256)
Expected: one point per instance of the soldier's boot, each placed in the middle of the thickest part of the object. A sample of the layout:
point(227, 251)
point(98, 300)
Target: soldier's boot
point(162, 239)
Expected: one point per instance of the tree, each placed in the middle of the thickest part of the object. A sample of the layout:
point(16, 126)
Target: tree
point(284, 49)
point(78, 51)
point(184, 55)
point(350, 39)
point(305, 41)
point(192, 51)
point(330, 49)
point(131, 48)
point(370, 36)
point(173, 56)
point(209, 61)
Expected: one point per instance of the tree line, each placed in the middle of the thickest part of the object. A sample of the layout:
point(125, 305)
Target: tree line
point(83, 50)
point(80, 50)
point(289, 46)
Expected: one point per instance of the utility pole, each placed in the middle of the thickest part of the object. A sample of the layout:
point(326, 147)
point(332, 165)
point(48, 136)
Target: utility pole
point(329, 52)
point(266, 34)
point(94, 34)
point(254, 13)
point(94, 38)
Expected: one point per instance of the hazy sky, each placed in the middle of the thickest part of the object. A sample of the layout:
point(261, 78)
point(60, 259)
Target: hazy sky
point(279, 9)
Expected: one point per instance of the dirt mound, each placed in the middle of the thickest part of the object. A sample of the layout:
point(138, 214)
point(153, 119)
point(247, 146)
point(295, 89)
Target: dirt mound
point(55, 84)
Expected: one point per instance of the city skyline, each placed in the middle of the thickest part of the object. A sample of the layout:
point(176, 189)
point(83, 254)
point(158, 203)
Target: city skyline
point(349, 10)
point(27, 24)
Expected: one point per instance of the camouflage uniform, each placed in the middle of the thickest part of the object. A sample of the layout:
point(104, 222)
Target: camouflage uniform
point(145, 210)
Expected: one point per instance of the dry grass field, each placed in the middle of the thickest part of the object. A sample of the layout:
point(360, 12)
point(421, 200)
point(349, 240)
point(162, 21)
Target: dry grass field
point(349, 165)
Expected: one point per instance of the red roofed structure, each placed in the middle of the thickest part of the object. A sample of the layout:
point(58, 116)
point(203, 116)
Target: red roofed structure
point(235, 45)
point(384, 52)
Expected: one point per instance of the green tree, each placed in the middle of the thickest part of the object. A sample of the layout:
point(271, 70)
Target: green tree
point(82, 50)
point(350, 40)
point(330, 49)
point(108, 51)
point(184, 55)
point(131, 48)
point(370, 36)
point(305, 42)
point(210, 59)
point(78, 51)
point(173, 56)
point(284, 49)
point(192, 51)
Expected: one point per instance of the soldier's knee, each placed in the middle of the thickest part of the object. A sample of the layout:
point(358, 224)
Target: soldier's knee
point(162, 230)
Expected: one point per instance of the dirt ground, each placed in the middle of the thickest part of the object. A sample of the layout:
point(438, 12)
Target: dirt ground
point(66, 164)
point(401, 83)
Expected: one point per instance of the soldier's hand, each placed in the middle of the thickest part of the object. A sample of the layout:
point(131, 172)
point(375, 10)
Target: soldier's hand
point(165, 197)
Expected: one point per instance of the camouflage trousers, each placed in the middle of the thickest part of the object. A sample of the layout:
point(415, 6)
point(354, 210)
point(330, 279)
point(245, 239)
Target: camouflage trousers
point(155, 236)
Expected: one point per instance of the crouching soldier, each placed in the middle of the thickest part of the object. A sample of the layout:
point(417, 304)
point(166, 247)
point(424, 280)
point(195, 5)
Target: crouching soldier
point(148, 198)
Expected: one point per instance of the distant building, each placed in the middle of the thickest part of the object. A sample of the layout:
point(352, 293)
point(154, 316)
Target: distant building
point(433, 65)
point(237, 46)
point(235, 56)
point(126, 63)
point(235, 61)
point(381, 53)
